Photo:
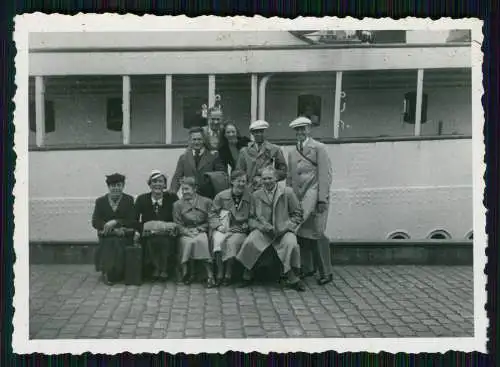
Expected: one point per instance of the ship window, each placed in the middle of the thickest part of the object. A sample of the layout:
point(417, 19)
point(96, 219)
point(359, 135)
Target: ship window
point(439, 235)
point(399, 235)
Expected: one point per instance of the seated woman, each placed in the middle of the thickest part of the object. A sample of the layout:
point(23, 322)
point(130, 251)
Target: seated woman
point(114, 220)
point(230, 144)
point(153, 212)
point(191, 215)
point(229, 223)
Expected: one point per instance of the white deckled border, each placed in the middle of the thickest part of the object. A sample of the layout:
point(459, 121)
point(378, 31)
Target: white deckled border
point(37, 22)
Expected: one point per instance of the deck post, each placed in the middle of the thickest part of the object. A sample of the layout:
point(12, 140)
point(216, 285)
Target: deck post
point(40, 110)
point(254, 96)
point(418, 102)
point(336, 111)
point(211, 90)
point(262, 96)
point(168, 109)
point(126, 109)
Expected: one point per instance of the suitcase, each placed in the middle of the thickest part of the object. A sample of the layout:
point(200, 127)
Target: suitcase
point(133, 265)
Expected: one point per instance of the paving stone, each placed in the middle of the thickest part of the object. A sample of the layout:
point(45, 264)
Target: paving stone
point(332, 333)
point(68, 301)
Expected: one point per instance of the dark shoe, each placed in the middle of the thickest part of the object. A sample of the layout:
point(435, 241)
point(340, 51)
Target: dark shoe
point(105, 280)
point(245, 283)
point(163, 277)
point(219, 281)
point(325, 279)
point(211, 283)
point(187, 279)
point(306, 275)
point(298, 286)
point(226, 282)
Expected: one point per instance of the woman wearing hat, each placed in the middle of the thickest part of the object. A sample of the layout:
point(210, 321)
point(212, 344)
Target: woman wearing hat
point(156, 224)
point(261, 153)
point(114, 220)
point(191, 214)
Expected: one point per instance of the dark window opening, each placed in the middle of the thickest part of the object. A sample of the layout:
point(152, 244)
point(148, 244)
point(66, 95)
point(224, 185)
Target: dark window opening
point(309, 106)
point(192, 112)
point(114, 118)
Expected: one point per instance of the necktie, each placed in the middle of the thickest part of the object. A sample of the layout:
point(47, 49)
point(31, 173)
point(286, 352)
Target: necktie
point(197, 157)
point(156, 207)
point(301, 146)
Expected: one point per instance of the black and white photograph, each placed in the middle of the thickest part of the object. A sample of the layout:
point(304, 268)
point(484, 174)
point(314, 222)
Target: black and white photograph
point(261, 184)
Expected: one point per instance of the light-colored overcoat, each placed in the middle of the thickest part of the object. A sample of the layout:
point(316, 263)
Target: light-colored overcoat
point(282, 213)
point(310, 176)
point(192, 218)
point(235, 223)
point(252, 159)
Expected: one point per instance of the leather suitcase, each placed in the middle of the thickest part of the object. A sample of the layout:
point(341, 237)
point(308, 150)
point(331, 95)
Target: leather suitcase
point(133, 265)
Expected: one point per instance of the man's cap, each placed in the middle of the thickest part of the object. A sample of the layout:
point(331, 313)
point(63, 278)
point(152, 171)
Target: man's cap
point(300, 121)
point(259, 125)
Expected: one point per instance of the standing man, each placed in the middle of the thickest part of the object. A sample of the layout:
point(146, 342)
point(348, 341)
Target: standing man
point(310, 176)
point(211, 132)
point(261, 153)
point(195, 162)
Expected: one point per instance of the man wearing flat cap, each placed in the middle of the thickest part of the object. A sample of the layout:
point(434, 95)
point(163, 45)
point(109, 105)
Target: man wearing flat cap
point(310, 176)
point(153, 211)
point(261, 153)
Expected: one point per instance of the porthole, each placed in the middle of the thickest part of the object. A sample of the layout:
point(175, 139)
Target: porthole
point(398, 235)
point(439, 235)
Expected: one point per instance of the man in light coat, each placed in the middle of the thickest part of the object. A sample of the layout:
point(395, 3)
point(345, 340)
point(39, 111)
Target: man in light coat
point(261, 153)
point(310, 176)
point(274, 216)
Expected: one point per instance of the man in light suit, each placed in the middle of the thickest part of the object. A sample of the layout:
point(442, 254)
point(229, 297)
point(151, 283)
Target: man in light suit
point(261, 153)
point(195, 162)
point(310, 176)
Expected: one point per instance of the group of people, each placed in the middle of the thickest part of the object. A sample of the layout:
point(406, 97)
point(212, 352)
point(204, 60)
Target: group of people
point(232, 209)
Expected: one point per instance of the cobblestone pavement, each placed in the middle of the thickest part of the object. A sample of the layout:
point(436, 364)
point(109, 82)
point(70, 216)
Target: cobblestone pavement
point(68, 301)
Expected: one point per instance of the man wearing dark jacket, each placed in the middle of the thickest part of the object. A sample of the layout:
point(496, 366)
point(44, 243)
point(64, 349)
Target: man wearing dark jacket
point(195, 162)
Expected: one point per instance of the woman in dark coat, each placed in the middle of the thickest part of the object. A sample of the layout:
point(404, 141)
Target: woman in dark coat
point(153, 212)
point(230, 145)
point(114, 220)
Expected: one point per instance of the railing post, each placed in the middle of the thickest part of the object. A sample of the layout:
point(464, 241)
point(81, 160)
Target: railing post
point(262, 96)
point(254, 96)
point(126, 109)
point(336, 113)
point(418, 102)
point(168, 109)
point(211, 90)
point(40, 110)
